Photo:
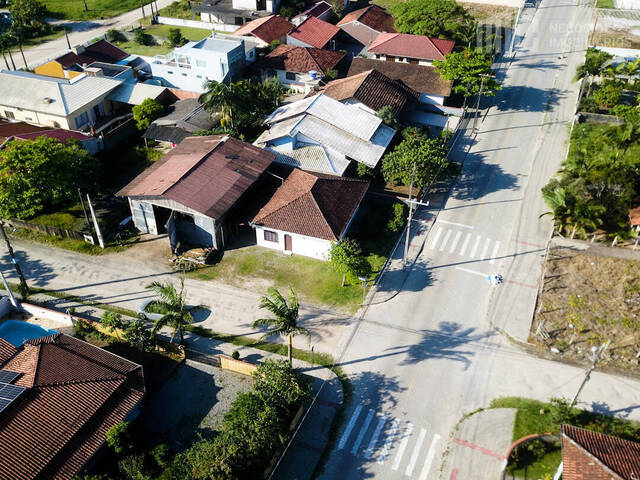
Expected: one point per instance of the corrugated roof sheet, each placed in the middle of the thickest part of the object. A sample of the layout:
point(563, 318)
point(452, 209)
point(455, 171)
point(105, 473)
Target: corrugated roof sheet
point(314, 32)
point(133, 93)
point(411, 46)
point(315, 10)
point(314, 158)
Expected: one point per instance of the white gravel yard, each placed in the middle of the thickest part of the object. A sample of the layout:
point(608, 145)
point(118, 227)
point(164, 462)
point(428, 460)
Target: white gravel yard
point(192, 402)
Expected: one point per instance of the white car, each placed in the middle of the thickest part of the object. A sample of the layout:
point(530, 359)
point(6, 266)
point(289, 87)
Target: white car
point(144, 315)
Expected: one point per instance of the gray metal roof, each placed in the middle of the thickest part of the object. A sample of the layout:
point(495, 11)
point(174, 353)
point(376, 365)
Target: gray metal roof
point(314, 158)
point(135, 93)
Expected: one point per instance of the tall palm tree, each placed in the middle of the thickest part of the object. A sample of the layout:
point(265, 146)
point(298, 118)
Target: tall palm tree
point(285, 322)
point(220, 98)
point(176, 313)
point(594, 65)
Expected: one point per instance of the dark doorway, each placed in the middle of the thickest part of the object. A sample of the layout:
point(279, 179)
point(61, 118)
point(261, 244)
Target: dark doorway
point(96, 111)
point(287, 242)
point(162, 215)
point(261, 4)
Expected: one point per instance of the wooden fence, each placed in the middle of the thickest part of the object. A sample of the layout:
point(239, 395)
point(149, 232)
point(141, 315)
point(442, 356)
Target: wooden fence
point(46, 229)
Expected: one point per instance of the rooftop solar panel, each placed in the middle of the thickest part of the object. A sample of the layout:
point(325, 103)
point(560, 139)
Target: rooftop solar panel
point(10, 392)
point(7, 376)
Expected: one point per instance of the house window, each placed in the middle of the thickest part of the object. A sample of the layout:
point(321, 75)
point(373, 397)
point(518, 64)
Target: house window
point(290, 75)
point(28, 119)
point(270, 236)
point(184, 74)
point(169, 72)
point(198, 76)
point(82, 120)
point(9, 114)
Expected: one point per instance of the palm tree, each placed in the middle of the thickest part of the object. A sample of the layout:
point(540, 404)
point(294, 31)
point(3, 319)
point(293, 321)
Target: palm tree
point(220, 98)
point(286, 316)
point(593, 66)
point(176, 313)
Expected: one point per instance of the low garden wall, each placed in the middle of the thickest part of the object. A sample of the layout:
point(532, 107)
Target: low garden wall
point(238, 366)
point(179, 22)
point(46, 229)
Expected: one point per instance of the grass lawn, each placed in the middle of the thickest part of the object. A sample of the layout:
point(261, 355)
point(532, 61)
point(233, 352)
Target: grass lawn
point(484, 14)
point(179, 9)
point(33, 42)
point(147, 50)
point(74, 9)
point(193, 34)
point(604, 4)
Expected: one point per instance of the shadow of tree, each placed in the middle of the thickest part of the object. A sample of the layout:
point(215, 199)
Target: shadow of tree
point(530, 99)
point(604, 409)
point(414, 278)
point(36, 272)
point(479, 179)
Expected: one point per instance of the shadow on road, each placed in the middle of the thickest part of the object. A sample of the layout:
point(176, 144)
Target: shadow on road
point(485, 178)
point(36, 272)
point(530, 99)
point(605, 409)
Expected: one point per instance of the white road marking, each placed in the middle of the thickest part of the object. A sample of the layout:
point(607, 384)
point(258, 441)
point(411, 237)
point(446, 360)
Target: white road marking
point(435, 239)
point(427, 463)
point(454, 223)
point(387, 444)
point(483, 255)
point(445, 240)
point(455, 242)
point(472, 271)
point(363, 430)
point(376, 433)
point(495, 252)
point(475, 247)
point(465, 244)
point(350, 425)
point(416, 452)
point(403, 446)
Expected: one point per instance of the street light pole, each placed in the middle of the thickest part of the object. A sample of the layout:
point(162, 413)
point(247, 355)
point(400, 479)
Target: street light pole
point(23, 282)
point(406, 241)
point(594, 361)
point(475, 113)
point(66, 34)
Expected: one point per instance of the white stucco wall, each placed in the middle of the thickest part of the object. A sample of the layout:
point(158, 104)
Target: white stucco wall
point(55, 121)
point(431, 99)
point(383, 58)
point(296, 43)
point(296, 85)
point(300, 244)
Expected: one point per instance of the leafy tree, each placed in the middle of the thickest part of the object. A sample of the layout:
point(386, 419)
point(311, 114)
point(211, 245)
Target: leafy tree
point(433, 18)
point(113, 35)
point(428, 154)
point(173, 302)
point(137, 335)
point(388, 117)
point(113, 321)
point(273, 45)
point(330, 74)
point(176, 39)
point(133, 467)
point(466, 70)
point(593, 66)
point(285, 317)
point(396, 222)
point(119, 438)
point(277, 384)
point(28, 17)
point(42, 175)
point(140, 37)
point(608, 94)
point(145, 113)
point(345, 257)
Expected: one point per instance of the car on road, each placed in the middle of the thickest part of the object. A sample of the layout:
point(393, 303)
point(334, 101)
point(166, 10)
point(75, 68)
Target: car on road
point(144, 314)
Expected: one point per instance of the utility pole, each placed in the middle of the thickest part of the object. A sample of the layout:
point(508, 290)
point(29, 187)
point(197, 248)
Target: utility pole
point(406, 241)
point(86, 217)
point(23, 282)
point(95, 223)
point(11, 58)
point(475, 113)
point(66, 34)
point(9, 292)
point(596, 358)
point(142, 8)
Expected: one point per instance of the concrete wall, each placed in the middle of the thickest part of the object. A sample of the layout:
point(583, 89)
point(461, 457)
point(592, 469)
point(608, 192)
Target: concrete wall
point(55, 121)
point(48, 314)
point(180, 22)
point(383, 58)
point(627, 4)
point(296, 43)
point(223, 23)
point(143, 217)
point(238, 366)
point(300, 244)
point(431, 99)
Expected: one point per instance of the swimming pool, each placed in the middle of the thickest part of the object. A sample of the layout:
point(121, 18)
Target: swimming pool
point(17, 332)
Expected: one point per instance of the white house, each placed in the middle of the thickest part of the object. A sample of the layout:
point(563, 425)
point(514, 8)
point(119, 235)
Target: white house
point(235, 12)
point(406, 48)
point(323, 135)
point(309, 212)
point(71, 104)
point(189, 67)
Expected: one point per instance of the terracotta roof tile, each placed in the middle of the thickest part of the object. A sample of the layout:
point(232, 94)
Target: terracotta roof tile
point(372, 16)
point(375, 90)
point(634, 216)
point(588, 455)
point(7, 350)
point(266, 29)
point(11, 129)
point(301, 59)
point(314, 205)
point(411, 46)
point(421, 78)
point(314, 32)
point(100, 51)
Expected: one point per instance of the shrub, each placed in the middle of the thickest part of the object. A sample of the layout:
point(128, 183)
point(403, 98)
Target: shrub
point(113, 35)
point(396, 222)
point(133, 467)
point(235, 355)
point(161, 455)
point(137, 336)
point(140, 37)
point(147, 112)
point(175, 37)
point(119, 438)
point(112, 321)
point(331, 74)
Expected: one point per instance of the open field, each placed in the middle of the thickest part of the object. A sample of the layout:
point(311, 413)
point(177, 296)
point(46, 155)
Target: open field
point(178, 9)
point(74, 9)
point(193, 34)
point(587, 300)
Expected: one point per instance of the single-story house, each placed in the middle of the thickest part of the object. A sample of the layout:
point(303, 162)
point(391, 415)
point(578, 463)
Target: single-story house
point(321, 10)
point(234, 12)
point(299, 68)
point(309, 212)
point(314, 32)
point(588, 455)
point(321, 134)
point(183, 119)
point(71, 104)
point(190, 191)
point(363, 26)
point(372, 90)
point(425, 80)
point(266, 30)
point(60, 397)
point(403, 47)
point(91, 144)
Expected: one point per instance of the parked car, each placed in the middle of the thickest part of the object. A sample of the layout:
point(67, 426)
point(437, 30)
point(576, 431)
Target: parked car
point(144, 314)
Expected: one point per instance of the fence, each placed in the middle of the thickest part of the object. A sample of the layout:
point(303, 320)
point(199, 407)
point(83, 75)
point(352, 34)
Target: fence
point(179, 22)
point(46, 229)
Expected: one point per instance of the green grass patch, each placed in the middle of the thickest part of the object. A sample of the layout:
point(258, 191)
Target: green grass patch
point(540, 461)
point(58, 220)
point(193, 34)
point(147, 50)
point(33, 42)
point(179, 9)
point(72, 244)
point(604, 4)
point(74, 9)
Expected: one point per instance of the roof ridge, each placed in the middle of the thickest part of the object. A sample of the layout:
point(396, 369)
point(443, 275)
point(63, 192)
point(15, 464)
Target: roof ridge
point(434, 45)
point(313, 58)
point(296, 198)
point(82, 381)
point(322, 215)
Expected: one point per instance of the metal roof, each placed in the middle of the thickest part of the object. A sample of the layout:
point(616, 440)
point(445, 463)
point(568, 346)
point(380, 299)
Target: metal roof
point(314, 158)
point(135, 93)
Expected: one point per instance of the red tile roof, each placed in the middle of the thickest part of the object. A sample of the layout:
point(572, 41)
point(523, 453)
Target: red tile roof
point(266, 29)
point(375, 90)
point(634, 216)
point(373, 17)
point(315, 10)
point(314, 205)
point(11, 129)
point(314, 32)
point(207, 174)
point(75, 393)
point(301, 59)
point(101, 51)
point(411, 46)
point(7, 350)
point(588, 455)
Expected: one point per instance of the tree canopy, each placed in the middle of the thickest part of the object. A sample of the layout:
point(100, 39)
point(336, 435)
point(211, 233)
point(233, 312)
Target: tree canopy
point(28, 17)
point(145, 113)
point(41, 175)
point(466, 69)
point(345, 257)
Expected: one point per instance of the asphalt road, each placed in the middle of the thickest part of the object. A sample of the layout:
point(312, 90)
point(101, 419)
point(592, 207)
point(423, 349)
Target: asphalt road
point(421, 359)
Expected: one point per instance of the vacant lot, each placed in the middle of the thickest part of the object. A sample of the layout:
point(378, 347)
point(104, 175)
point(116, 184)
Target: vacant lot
point(587, 300)
point(161, 32)
point(74, 9)
point(485, 14)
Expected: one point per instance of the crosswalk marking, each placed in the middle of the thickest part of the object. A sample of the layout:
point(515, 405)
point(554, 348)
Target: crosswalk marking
point(403, 446)
point(455, 242)
point(465, 244)
point(475, 248)
point(374, 440)
point(435, 239)
point(454, 223)
point(445, 240)
point(363, 430)
point(350, 425)
point(495, 252)
point(427, 463)
point(416, 452)
point(390, 438)
point(483, 255)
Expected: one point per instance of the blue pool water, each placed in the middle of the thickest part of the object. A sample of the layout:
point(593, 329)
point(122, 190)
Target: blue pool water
point(17, 332)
